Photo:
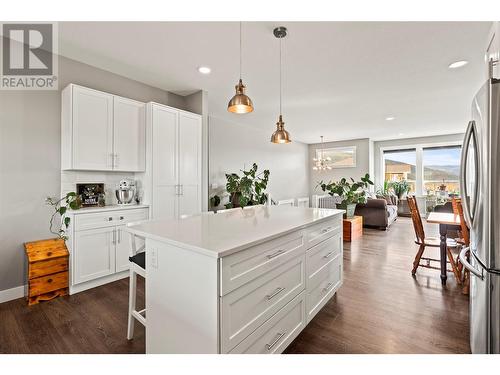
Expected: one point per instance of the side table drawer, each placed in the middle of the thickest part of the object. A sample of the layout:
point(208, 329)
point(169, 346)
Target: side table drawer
point(45, 284)
point(47, 267)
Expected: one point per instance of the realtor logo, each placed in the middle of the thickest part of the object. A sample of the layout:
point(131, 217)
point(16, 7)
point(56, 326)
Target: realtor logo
point(29, 56)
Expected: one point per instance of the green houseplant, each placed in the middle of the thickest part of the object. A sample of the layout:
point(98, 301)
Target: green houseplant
point(351, 193)
point(60, 206)
point(400, 188)
point(247, 190)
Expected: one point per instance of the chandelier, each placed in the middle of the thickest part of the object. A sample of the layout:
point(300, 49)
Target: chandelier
point(321, 163)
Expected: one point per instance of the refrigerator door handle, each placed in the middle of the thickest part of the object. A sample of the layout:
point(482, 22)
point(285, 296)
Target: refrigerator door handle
point(468, 216)
point(463, 260)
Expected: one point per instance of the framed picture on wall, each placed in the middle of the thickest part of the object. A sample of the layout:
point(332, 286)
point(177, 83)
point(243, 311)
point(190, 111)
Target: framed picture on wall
point(340, 157)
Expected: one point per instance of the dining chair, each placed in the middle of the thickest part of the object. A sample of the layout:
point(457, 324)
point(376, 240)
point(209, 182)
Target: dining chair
point(464, 240)
point(424, 242)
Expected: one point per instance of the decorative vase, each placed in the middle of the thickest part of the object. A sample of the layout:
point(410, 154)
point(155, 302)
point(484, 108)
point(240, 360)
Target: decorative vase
point(349, 209)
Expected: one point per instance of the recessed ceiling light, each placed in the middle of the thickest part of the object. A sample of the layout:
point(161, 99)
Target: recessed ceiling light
point(458, 64)
point(204, 70)
point(390, 118)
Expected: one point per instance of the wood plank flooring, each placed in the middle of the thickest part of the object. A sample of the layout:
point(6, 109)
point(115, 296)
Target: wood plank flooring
point(379, 309)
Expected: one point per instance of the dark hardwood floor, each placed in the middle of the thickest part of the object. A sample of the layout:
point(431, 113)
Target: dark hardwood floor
point(380, 308)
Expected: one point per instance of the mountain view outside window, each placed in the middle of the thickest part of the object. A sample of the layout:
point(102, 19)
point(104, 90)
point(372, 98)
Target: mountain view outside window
point(441, 169)
point(401, 165)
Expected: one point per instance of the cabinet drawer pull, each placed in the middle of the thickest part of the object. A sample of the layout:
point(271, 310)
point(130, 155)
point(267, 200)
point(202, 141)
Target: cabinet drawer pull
point(326, 230)
point(49, 280)
point(328, 255)
point(110, 218)
point(327, 288)
point(275, 293)
point(276, 340)
point(121, 217)
point(274, 255)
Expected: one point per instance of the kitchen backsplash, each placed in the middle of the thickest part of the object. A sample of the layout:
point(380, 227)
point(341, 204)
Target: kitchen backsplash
point(69, 179)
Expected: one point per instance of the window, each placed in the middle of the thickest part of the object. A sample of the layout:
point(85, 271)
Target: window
point(401, 165)
point(441, 169)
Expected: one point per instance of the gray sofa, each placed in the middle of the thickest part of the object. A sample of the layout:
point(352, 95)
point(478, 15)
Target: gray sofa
point(377, 212)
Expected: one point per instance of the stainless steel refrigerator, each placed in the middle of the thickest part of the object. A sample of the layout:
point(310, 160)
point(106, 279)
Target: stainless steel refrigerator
point(480, 187)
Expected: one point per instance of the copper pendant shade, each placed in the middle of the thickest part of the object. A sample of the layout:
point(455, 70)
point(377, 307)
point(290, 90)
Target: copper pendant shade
point(240, 102)
point(280, 135)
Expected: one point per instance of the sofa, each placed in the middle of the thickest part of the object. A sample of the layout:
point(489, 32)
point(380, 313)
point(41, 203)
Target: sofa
point(378, 212)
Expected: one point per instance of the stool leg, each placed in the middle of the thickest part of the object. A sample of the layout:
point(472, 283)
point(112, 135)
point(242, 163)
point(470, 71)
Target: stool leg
point(131, 303)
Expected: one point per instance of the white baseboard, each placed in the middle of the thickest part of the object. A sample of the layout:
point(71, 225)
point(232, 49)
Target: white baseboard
point(13, 293)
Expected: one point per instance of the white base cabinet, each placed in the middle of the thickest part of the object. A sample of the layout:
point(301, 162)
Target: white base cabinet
point(254, 300)
point(99, 246)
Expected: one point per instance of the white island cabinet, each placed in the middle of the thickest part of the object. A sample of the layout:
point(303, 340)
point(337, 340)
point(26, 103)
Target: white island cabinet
point(240, 281)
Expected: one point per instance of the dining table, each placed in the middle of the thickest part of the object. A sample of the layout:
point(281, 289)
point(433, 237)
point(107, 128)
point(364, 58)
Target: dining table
point(447, 221)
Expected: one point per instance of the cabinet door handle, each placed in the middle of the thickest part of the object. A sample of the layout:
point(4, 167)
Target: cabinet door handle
point(114, 236)
point(276, 340)
point(112, 158)
point(122, 217)
point(275, 293)
point(327, 288)
point(110, 218)
point(274, 255)
point(181, 187)
point(116, 161)
point(119, 235)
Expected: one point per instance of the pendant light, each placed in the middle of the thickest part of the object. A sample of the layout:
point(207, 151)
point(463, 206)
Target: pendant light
point(321, 163)
point(240, 102)
point(280, 135)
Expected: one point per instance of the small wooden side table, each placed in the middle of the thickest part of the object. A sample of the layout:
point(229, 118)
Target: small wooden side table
point(353, 228)
point(47, 269)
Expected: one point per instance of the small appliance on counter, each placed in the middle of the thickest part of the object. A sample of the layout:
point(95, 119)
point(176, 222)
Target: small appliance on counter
point(125, 193)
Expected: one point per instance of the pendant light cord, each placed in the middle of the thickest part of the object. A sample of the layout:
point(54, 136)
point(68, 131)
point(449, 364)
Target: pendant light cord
point(280, 76)
point(240, 51)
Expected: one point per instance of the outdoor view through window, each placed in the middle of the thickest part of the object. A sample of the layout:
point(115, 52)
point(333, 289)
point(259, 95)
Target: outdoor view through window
point(441, 168)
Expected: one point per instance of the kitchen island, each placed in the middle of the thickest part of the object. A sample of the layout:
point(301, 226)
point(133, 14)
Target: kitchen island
point(239, 281)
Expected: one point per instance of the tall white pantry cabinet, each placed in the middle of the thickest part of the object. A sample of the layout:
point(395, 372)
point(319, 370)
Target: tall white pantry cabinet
point(106, 133)
point(173, 162)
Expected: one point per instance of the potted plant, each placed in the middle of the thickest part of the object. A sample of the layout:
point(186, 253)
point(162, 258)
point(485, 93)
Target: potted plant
point(351, 193)
point(401, 188)
point(70, 200)
point(247, 190)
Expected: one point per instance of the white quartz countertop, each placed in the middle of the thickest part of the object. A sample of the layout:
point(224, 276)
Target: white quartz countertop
point(115, 207)
point(226, 232)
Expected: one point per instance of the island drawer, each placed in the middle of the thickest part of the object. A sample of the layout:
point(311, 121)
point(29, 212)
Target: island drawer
point(323, 286)
point(320, 232)
point(320, 255)
point(246, 308)
point(278, 332)
point(109, 218)
point(244, 266)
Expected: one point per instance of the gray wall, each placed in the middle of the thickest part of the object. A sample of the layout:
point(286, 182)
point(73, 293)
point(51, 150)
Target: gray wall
point(362, 163)
point(233, 147)
point(30, 136)
point(433, 140)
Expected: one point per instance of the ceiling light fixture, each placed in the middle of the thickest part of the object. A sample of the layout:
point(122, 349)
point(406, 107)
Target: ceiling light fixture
point(204, 70)
point(280, 135)
point(321, 163)
point(240, 102)
point(458, 64)
point(390, 118)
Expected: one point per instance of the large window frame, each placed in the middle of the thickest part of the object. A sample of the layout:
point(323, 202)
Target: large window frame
point(419, 151)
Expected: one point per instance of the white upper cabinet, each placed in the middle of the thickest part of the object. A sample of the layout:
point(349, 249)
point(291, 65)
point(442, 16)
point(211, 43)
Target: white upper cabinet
point(129, 136)
point(101, 132)
point(92, 129)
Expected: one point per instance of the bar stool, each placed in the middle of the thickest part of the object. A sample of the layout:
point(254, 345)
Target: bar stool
point(137, 267)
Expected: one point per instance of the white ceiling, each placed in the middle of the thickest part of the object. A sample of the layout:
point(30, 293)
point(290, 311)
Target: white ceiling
point(341, 79)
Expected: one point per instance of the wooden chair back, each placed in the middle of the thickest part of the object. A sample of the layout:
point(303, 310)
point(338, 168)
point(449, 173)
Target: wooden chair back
point(463, 225)
point(416, 219)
